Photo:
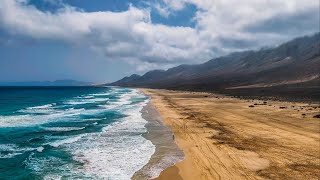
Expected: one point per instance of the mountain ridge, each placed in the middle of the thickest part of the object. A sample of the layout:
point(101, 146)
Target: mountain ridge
point(290, 63)
point(64, 82)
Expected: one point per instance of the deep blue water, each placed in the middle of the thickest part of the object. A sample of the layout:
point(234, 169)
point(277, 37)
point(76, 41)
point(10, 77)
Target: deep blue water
point(71, 133)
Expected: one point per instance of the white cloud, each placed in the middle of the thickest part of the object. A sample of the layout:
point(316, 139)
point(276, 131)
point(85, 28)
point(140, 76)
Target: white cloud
point(68, 23)
point(124, 35)
point(230, 19)
point(163, 11)
point(221, 27)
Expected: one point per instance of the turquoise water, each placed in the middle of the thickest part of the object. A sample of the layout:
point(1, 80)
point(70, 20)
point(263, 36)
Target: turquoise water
point(72, 133)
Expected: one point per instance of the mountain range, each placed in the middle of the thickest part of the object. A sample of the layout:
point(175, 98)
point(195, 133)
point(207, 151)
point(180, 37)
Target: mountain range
point(290, 69)
point(47, 83)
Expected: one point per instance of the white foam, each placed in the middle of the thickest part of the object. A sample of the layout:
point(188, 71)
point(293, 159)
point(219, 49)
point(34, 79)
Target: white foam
point(13, 150)
point(63, 129)
point(8, 147)
point(40, 149)
point(166, 162)
point(39, 111)
point(85, 97)
point(52, 177)
point(120, 150)
point(42, 107)
point(76, 102)
point(29, 120)
point(101, 94)
point(122, 102)
point(66, 141)
point(98, 99)
point(85, 101)
point(52, 167)
point(13, 121)
point(10, 155)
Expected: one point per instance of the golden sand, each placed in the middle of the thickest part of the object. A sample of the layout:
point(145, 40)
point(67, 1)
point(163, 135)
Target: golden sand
point(224, 138)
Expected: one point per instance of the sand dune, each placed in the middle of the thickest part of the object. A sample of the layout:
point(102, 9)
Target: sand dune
point(224, 138)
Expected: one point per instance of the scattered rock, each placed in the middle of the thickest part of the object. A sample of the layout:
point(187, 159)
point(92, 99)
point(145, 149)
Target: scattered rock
point(205, 96)
point(251, 106)
point(316, 116)
point(255, 104)
point(303, 114)
point(282, 107)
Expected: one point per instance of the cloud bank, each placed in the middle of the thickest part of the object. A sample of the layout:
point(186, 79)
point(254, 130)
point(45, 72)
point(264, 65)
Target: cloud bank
point(221, 27)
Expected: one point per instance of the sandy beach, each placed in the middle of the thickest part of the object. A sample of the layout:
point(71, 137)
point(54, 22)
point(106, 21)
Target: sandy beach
point(166, 154)
point(230, 138)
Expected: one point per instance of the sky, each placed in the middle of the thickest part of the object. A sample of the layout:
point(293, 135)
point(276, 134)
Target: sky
point(105, 40)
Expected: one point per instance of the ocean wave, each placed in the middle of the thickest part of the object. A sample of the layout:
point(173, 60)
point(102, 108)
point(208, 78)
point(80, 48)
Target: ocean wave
point(122, 102)
point(101, 94)
point(40, 149)
point(85, 101)
point(51, 167)
point(8, 147)
point(166, 162)
point(120, 146)
point(68, 140)
point(52, 177)
point(76, 102)
point(11, 150)
point(85, 97)
point(98, 99)
point(116, 152)
point(42, 107)
point(31, 119)
point(38, 111)
point(9, 155)
point(63, 129)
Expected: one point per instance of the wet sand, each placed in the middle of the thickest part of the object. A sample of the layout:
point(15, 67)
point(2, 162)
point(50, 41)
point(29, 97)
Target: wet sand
point(230, 138)
point(167, 153)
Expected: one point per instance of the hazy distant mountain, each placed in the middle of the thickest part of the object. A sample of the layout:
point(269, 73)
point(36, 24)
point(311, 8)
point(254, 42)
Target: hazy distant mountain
point(47, 83)
point(294, 62)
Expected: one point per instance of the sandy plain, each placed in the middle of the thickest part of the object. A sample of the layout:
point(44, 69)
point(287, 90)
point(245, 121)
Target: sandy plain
point(230, 138)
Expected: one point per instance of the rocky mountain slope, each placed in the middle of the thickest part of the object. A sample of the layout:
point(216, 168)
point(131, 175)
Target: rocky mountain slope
point(295, 64)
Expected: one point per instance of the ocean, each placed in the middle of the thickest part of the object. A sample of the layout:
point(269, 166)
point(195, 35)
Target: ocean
point(72, 133)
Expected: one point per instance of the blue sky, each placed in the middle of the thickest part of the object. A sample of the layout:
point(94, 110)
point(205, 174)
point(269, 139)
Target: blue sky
point(104, 40)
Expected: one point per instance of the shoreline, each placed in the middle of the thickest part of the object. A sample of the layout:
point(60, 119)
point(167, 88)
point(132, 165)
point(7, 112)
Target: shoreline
point(230, 138)
point(166, 154)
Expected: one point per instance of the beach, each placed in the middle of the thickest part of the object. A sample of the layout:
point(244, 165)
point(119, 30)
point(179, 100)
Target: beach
point(229, 138)
point(166, 154)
